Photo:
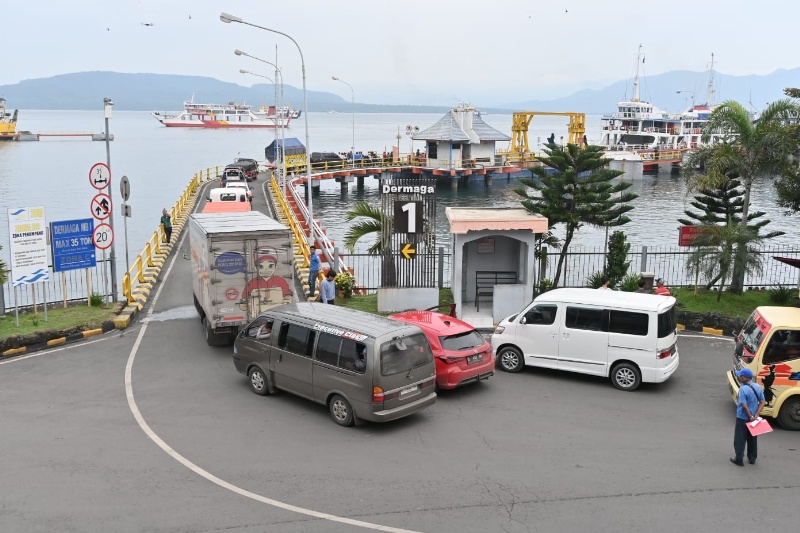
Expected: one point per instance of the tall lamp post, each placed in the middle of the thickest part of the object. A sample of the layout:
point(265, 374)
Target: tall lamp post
point(107, 104)
point(278, 112)
point(226, 18)
point(687, 91)
point(353, 102)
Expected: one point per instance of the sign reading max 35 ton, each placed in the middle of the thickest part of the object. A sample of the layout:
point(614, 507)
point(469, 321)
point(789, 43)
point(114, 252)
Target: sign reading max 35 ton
point(26, 227)
point(72, 243)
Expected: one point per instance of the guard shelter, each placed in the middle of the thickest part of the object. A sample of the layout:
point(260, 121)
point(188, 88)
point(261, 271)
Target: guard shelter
point(493, 261)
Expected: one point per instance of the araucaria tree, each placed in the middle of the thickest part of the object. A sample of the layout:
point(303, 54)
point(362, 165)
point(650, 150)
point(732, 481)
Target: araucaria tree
point(573, 188)
point(752, 149)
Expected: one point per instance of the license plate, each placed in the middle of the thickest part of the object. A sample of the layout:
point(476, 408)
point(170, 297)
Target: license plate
point(409, 390)
point(474, 358)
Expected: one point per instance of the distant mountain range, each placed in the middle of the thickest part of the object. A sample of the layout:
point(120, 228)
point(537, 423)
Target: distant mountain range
point(163, 92)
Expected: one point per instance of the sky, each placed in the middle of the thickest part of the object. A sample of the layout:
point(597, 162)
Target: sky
point(434, 52)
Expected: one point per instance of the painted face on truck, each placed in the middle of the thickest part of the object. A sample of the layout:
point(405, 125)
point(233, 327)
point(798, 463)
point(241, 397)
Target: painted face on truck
point(266, 266)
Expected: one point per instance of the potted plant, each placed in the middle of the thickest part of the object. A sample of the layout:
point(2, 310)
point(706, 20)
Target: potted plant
point(344, 284)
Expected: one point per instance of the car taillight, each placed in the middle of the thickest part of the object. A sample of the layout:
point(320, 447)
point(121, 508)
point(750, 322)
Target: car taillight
point(450, 359)
point(665, 353)
point(377, 394)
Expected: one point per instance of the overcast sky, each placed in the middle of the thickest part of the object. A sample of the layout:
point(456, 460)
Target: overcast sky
point(412, 51)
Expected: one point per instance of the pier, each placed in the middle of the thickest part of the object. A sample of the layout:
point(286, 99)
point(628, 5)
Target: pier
point(29, 136)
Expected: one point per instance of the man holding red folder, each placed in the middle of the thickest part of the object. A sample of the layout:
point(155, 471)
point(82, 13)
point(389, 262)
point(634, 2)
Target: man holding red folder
point(749, 405)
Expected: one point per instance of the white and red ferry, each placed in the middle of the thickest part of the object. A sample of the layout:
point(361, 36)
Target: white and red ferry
point(230, 115)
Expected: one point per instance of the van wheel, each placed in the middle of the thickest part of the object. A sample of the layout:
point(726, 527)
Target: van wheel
point(789, 417)
point(341, 411)
point(510, 359)
point(626, 376)
point(258, 381)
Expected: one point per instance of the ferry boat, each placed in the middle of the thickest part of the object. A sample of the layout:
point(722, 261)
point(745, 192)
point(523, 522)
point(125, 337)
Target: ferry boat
point(282, 112)
point(230, 115)
point(8, 122)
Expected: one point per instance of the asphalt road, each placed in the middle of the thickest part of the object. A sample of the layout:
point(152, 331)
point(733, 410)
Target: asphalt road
point(152, 430)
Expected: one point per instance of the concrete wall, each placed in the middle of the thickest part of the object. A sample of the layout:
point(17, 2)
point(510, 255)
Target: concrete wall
point(510, 299)
point(395, 299)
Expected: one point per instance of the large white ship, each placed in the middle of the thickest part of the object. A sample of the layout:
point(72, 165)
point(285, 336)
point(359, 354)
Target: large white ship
point(230, 115)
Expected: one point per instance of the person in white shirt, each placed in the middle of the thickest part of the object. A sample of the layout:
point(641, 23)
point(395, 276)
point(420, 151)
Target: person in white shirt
point(327, 291)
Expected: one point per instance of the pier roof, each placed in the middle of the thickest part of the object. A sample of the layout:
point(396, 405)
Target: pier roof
point(466, 219)
point(449, 128)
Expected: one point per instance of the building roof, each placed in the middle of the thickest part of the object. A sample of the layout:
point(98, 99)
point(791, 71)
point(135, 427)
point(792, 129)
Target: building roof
point(448, 128)
point(466, 219)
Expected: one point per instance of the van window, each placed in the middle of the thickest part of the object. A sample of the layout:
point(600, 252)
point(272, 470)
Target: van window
point(628, 323)
point(296, 339)
point(666, 323)
point(328, 348)
point(784, 345)
point(584, 318)
point(353, 356)
point(541, 314)
point(401, 355)
point(751, 335)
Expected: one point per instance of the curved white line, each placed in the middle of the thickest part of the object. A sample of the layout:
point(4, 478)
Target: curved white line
point(204, 473)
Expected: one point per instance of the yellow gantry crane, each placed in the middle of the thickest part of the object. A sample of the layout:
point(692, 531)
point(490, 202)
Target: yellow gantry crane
point(519, 130)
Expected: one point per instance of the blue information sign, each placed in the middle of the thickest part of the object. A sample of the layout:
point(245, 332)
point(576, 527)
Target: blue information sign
point(72, 244)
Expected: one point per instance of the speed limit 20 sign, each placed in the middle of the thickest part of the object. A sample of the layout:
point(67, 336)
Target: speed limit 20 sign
point(103, 236)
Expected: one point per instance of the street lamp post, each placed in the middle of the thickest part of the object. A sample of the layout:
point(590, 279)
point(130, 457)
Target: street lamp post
point(226, 18)
point(278, 108)
point(687, 91)
point(280, 120)
point(107, 104)
point(353, 102)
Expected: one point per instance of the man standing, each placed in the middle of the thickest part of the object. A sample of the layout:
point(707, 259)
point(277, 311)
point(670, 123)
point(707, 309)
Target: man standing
point(641, 283)
point(327, 290)
point(166, 221)
point(313, 270)
point(748, 408)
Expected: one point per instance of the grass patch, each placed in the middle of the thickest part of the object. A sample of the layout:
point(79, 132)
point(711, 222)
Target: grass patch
point(369, 302)
point(57, 319)
point(730, 304)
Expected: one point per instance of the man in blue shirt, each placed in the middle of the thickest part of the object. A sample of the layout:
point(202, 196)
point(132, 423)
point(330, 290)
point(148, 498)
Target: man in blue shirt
point(313, 270)
point(327, 291)
point(748, 408)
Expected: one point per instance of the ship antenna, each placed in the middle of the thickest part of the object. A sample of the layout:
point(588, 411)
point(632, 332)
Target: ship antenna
point(710, 89)
point(636, 79)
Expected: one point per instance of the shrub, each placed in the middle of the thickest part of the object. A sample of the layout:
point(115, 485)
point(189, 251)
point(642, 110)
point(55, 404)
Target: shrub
point(630, 283)
point(781, 295)
point(594, 281)
point(616, 261)
point(545, 285)
point(96, 299)
point(345, 283)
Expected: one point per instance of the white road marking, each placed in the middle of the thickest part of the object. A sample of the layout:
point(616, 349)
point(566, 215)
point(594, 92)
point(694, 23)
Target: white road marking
point(204, 473)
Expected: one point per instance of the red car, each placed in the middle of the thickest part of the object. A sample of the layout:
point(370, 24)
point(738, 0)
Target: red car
point(462, 355)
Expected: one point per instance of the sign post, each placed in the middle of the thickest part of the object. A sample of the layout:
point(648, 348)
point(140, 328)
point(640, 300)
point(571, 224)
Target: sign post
point(125, 192)
point(101, 209)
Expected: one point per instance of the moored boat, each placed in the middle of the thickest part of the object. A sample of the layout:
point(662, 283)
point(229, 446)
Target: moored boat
point(230, 115)
point(8, 122)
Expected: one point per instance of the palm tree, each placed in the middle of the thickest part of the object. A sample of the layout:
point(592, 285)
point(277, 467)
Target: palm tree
point(752, 149)
point(373, 221)
point(717, 252)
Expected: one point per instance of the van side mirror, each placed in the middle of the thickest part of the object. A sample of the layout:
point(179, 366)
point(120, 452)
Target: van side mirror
point(523, 320)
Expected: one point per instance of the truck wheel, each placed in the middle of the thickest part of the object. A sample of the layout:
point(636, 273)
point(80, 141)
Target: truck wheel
point(258, 381)
point(199, 309)
point(341, 411)
point(510, 359)
point(789, 417)
point(626, 376)
point(211, 337)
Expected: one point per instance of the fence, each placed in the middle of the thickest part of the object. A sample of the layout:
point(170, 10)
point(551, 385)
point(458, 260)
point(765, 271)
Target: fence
point(580, 263)
point(367, 268)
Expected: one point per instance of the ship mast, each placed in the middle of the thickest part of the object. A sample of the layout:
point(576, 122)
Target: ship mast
point(710, 88)
point(636, 79)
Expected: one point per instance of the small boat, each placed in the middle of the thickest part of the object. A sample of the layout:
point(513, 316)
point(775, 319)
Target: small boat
point(284, 112)
point(230, 115)
point(8, 122)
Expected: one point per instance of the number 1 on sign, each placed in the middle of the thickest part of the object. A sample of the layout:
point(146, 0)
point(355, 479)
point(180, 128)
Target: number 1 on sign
point(411, 209)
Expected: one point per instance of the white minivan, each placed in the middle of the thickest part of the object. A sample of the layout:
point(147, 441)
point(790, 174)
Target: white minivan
point(629, 337)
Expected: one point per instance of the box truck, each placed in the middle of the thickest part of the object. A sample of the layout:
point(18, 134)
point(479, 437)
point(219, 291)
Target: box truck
point(241, 267)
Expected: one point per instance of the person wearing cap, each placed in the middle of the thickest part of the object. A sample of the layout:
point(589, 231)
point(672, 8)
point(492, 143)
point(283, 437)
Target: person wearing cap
point(748, 408)
point(660, 289)
point(313, 270)
point(327, 289)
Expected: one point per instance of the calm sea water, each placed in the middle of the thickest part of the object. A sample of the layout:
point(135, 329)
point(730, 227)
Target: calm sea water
point(159, 162)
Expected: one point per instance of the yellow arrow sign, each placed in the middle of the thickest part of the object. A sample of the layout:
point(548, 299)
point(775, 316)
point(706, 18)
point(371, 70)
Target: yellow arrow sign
point(407, 251)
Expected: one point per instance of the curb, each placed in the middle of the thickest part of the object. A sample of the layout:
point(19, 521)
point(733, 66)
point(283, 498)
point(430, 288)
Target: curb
point(58, 342)
point(707, 331)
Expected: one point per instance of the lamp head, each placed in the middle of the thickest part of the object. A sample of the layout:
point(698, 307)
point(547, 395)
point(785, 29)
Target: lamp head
point(107, 101)
point(239, 52)
point(243, 71)
point(334, 78)
point(227, 19)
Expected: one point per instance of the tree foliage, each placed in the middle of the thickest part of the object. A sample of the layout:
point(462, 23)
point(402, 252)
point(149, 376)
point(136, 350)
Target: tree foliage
point(371, 221)
point(3, 271)
point(573, 188)
point(617, 263)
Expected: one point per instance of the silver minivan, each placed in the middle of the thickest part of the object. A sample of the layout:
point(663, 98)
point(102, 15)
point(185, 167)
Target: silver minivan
point(361, 366)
